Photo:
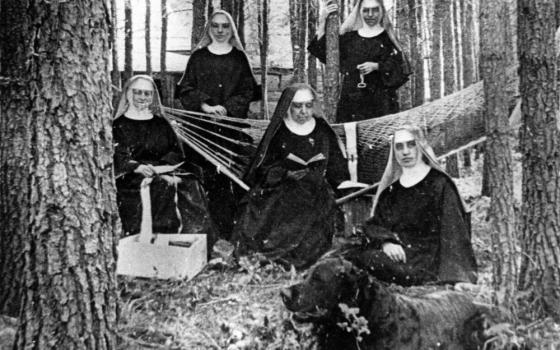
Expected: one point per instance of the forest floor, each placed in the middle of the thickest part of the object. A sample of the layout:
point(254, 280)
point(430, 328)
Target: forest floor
point(240, 308)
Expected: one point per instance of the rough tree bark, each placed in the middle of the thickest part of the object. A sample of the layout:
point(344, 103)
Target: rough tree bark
point(457, 38)
point(404, 34)
point(467, 42)
point(435, 53)
point(331, 81)
point(115, 72)
point(198, 21)
point(60, 95)
point(128, 70)
point(165, 92)
point(148, 38)
point(312, 10)
point(443, 12)
point(540, 235)
point(416, 52)
point(15, 151)
point(298, 34)
point(498, 158)
point(262, 19)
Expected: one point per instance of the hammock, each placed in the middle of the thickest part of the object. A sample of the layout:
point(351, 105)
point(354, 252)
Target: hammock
point(451, 123)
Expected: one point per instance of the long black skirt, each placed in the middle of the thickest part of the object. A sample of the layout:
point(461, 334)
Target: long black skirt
point(292, 223)
point(176, 207)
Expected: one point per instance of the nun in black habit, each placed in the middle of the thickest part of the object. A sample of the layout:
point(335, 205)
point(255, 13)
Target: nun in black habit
point(218, 80)
point(148, 153)
point(372, 62)
point(288, 215)
point(419, 231)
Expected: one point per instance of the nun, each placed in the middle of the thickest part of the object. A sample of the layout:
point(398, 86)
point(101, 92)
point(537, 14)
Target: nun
point(148, 154)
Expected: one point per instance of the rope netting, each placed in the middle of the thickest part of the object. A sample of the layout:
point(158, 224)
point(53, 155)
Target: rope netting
point(450, 123)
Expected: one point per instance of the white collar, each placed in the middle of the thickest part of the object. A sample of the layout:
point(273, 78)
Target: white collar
point(134, 114)
point(300, 129)
point(220, 49)
point(370, 32)
point(412, 176)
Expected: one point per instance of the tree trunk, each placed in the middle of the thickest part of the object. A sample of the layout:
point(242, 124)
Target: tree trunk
point(540, 236)
point(115, 72)
point(467, 42)
point(331, 82)
point(57, 118)
point(236, 10)
point(312, 10)
point(457, 37)
point(444, 13)
point(128, 70)
point(446, 16)
point(298, 34)
point(210, 9)
point(404, 34)
point(435, 52)
point(166, 95)
point(148, 37)
point(198, 21)
point(416, 52)
point(262, 19)
point(497, 158)
point(15, 151)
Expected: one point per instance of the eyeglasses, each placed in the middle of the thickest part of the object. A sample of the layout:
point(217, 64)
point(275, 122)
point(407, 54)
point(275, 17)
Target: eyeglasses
point(399, 146)
point(140, 92)
point(308, 104)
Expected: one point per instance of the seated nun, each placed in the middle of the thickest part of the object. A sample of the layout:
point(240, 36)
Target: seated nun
point(419, 231)
point(288, 215)
point(148, 154)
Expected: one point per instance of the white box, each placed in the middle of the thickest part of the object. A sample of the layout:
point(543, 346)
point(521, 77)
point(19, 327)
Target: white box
point(161, 260)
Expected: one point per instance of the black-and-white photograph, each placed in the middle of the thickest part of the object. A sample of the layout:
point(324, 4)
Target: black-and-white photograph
point(280, 174)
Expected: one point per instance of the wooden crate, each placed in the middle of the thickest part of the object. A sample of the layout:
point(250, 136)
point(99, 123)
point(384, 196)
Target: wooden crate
point(170, 256)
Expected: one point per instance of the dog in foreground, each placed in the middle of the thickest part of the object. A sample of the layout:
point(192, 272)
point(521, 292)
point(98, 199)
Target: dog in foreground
point(440, 320)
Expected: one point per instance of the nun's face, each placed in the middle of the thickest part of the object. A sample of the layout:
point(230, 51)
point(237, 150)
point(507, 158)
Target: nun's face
point(406, 149)
point(301, 108)
point(371, 12)
point(220, 28)
point(141, 94)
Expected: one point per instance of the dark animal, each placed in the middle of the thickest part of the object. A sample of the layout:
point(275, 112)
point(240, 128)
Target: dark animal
point(438, 320)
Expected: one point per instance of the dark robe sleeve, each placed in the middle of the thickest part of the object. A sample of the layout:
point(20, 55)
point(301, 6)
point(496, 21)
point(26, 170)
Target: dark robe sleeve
point(375, 228)
point(187, 91)
point(337, 168)
point(318, 48)
point(390, 67)
point(457, 262)
point(237, 105)
point(175, 154)
point(272, 170)
point(124, 163)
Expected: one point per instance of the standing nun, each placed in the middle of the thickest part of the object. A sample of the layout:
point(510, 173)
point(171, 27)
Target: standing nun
point(219, 81)
point(371, 61)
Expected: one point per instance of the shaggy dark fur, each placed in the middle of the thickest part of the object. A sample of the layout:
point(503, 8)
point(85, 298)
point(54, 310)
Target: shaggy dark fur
point(438, 320)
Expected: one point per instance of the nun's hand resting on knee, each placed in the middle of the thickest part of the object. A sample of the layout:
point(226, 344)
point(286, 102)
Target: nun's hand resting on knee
point(395, 252)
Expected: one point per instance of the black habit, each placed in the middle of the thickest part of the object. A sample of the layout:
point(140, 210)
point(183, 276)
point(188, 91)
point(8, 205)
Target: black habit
point(180, 207)
point(379, 97)
point(224, 80)
point(428, 220)
point(288, 220)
